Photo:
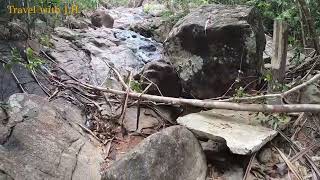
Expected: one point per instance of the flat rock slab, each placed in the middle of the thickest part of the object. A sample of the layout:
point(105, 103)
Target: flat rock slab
point(241, 137)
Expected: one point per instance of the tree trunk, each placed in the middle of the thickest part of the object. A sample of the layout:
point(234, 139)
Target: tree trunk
point(311, 25)
point(304, 34)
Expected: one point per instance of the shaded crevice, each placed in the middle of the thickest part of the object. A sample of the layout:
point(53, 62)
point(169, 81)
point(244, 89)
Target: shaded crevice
point(7, 137)
point(8, 176)
point(11, 129)
point(48, 173)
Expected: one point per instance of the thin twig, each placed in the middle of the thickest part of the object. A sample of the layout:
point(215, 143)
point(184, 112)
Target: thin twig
point(119, 76)
point(18, 82)
point(289, 164)
point(297, 148)
point(90, 132)
point(44, 89)
point(152, 83)
point(245, 177)
point(124, 109)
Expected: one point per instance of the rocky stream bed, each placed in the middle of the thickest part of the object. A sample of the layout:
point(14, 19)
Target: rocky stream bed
point(53, 125)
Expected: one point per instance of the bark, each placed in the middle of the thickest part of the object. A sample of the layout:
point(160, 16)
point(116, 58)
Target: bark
point(302, 24)
point(311, 25)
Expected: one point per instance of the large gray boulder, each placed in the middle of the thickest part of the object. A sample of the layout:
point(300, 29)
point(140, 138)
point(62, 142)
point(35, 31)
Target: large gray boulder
point(172, 154)
point(163, 75)
point(210, 45)
point(42, 140)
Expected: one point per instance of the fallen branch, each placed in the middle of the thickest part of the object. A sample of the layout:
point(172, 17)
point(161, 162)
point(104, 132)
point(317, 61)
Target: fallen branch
point(281, 95)
point(211, 104)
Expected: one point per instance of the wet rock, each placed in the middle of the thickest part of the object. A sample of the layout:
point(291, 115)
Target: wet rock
point(4, 32)
point(215, 45)
point(65, 33)
point(18, 30)
point(76, 23)
point(157, 28)
point(229, 126)
point(173, 154)
point(89, 57)
point(163, 75)
point(45, 141)
point(102, 18)
point(3, 114)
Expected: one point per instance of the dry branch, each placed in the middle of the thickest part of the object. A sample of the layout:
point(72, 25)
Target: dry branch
point(282, 95)
point(212, 104)
point(17, 81)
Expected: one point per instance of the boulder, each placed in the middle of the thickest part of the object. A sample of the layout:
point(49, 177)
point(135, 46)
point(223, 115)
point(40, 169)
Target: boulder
point(76, 23)
point(163, 75)
point(102, 18)
point(310, 94)
point(173, 154)
point(232, 127)
point(216, 45)
point(44, 141)
point(65, 33)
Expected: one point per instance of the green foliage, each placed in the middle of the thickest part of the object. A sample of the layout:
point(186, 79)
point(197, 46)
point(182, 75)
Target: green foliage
point(136, 86)
point(117, 3)
point(239, 92)
point(88, 4)
point(267, 76)
point(150, 7)
point(4, 105)
point(274, 121)
point(172, 17)
point(16, 58)
point(45, 40)
point(276, 86)
point(34, 62)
